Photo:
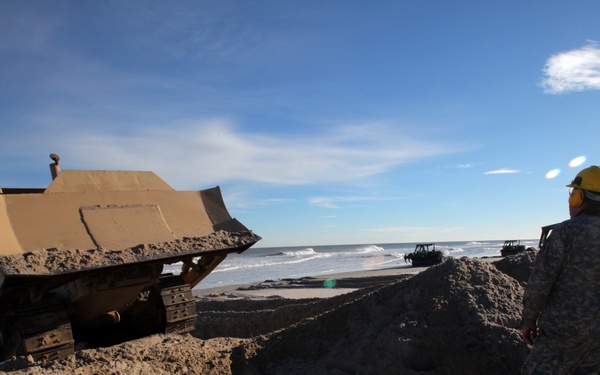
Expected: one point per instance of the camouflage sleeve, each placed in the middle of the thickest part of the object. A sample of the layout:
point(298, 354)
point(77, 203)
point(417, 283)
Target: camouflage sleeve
point(547, 268)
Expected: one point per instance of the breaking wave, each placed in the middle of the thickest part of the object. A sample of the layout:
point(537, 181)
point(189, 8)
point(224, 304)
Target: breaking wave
point(307, 251)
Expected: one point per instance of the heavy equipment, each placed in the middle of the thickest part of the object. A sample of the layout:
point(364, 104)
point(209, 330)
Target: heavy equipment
point(424, 255)
point(81, 261)
point(512, 247)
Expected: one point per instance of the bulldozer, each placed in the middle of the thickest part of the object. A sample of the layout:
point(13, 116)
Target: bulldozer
point(81, 261)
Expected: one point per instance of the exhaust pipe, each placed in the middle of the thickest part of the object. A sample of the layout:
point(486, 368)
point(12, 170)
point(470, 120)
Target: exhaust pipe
point(54, 167)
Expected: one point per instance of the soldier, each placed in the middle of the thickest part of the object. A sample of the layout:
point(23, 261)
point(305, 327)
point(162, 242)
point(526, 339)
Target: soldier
point(561, 314)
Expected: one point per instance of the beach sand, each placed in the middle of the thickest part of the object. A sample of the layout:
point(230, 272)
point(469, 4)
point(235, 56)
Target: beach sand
point(310, 287)
point(458, 317)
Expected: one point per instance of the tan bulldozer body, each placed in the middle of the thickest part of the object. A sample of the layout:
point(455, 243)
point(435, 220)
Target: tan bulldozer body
point(83, 258)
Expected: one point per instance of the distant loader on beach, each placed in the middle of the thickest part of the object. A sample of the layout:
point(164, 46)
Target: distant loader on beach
point(424, 255)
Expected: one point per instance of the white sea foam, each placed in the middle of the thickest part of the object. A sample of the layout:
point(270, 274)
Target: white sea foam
point(307, 251)
point(370, 249)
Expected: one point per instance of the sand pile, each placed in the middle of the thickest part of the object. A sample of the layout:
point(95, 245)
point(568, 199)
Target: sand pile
point(54, 261)
point(157, 354)
point(246, 318)
point(518, 266)
point(460, 317)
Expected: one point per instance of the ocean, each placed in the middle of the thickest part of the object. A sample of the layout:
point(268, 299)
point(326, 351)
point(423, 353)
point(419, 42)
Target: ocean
point(276, 263)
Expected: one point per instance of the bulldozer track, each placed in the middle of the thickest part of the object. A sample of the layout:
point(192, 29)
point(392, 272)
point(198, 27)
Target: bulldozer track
point(179, 305)
point(44, 331)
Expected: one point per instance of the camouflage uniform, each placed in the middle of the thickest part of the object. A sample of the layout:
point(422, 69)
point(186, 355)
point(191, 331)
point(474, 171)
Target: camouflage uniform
point(563, 297)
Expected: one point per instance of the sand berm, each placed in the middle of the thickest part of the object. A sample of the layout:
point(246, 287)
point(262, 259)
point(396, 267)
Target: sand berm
point(459, 317)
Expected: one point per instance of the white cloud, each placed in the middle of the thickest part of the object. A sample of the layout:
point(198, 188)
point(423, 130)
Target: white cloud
point(324, 202)
point(415, 229)
point(502, 171)
point(575, 70)
point(333, 202)
point(214, 151)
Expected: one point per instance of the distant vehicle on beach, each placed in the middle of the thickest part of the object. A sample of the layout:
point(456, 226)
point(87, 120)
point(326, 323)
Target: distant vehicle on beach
point(424, 255)
point(512, 247)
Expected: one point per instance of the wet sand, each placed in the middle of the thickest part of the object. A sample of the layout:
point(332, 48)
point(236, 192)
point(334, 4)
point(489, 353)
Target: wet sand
point(323, 286)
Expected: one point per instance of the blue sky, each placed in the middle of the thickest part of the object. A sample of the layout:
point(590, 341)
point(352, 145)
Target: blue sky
point(324, 122)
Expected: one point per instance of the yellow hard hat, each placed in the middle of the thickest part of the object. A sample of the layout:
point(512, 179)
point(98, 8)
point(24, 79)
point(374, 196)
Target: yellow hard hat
point(587, 179)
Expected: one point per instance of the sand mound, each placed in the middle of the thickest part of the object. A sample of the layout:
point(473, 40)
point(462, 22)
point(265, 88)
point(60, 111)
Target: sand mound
point(518, 266)
point(245, 318)
point(158, 354)
point(459, 317)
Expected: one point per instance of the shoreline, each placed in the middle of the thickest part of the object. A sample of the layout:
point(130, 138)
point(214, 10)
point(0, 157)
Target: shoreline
point(321, 286)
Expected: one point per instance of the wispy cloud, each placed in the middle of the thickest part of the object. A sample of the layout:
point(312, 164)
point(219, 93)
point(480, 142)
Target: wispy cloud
point(324, 202)
point(502, 171)
point(415, 229)
point(334, 202)
point(216, 151)
point(575, 70)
